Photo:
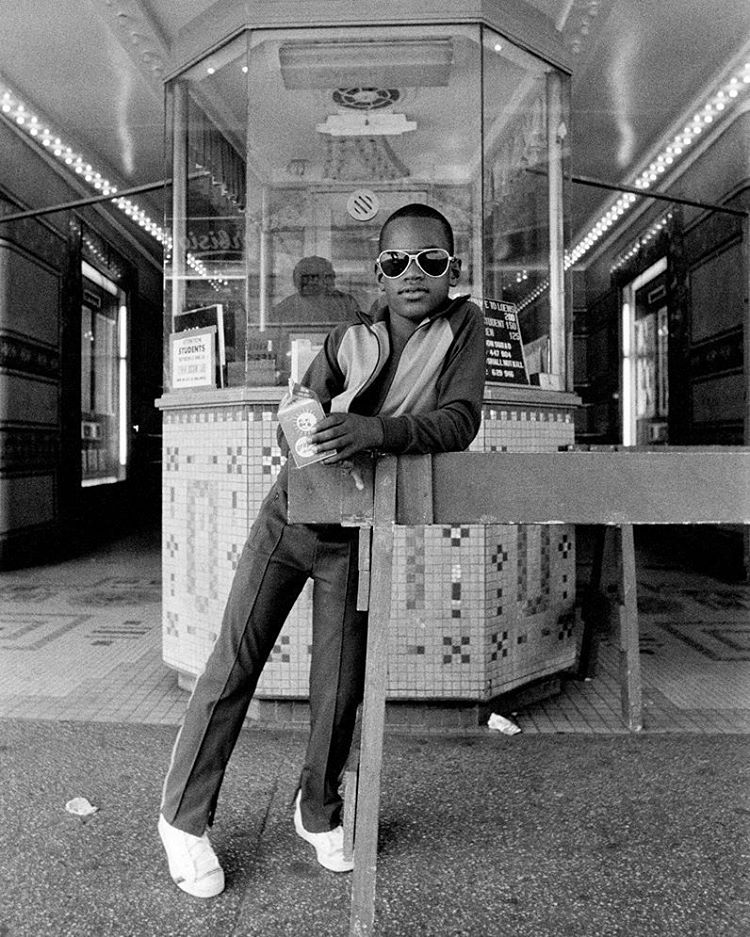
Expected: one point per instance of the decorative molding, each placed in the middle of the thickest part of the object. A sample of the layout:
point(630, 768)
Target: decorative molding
point(132, 23)
point(26, 356)
point(575, 22)
point(718, 355)
point(25, 450)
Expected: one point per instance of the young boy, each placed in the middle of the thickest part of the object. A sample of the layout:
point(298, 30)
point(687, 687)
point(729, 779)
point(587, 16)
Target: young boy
point(409, 382)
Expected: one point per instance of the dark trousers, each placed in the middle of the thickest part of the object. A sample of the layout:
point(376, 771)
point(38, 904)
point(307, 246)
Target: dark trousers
point(277, 560)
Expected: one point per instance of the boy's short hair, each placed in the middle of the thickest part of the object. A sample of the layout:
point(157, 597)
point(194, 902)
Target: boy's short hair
point(418, 210)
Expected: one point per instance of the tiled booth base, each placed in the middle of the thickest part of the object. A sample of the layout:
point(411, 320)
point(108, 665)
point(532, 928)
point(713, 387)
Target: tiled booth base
point(477, 611)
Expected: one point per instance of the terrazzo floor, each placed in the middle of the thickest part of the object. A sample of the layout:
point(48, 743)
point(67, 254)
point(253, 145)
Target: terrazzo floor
point(81, 640)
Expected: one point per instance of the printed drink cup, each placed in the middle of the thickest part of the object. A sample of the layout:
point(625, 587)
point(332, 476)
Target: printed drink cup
point(299, 413)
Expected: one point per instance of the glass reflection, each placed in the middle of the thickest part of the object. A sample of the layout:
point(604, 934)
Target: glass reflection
point(291, 147)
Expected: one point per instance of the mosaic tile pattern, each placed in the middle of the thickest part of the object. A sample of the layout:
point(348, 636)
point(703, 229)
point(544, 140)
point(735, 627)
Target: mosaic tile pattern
point(716, 641)
point(476, 610)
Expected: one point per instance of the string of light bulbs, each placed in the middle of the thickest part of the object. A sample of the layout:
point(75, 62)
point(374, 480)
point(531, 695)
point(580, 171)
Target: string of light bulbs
point(719, 101)
point(724, 97)
point(42, 133)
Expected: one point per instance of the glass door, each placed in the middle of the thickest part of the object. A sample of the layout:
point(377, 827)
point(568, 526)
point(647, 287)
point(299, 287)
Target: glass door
point(645, 359)
point(103, 380)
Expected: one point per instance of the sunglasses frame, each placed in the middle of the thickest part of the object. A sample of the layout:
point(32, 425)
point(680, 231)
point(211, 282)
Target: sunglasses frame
point(414, 256)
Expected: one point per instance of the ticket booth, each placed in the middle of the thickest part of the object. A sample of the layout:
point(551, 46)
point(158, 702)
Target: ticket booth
point(292, 138)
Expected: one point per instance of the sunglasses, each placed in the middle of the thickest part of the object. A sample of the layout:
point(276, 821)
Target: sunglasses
point(432, 261)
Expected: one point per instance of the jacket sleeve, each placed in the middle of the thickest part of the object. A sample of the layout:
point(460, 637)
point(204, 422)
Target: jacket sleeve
point(455, 421)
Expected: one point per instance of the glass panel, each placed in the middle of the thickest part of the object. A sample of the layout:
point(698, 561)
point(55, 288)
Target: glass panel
point(206, 277)
point(525, 102)
point(103, 380)
point(650, 338)
point(345, 126)
point(291, 147)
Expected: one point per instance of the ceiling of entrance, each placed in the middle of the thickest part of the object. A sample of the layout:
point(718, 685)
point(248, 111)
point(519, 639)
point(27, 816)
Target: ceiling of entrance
point(94, 68)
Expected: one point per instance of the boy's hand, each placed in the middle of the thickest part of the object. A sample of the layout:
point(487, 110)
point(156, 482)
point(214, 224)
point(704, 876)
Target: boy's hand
point(347, 434)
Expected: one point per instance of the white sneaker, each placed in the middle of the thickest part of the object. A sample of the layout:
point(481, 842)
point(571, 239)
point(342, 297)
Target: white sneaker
point(192, 862)
point(329, 846)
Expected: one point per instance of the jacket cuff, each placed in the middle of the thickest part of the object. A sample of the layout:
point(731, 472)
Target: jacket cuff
point(395, 434)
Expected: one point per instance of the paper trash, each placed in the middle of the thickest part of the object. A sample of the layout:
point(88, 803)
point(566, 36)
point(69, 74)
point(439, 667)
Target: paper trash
point(502, 724)
point(80, 807)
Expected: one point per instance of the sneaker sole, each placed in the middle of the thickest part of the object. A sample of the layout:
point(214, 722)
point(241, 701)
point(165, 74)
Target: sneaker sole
point(207, 891)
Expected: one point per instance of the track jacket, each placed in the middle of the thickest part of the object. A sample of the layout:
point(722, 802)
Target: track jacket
point(430, 399)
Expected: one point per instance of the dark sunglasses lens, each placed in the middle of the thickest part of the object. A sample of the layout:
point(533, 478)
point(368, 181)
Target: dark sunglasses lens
point(434, 263)
point(393, 263)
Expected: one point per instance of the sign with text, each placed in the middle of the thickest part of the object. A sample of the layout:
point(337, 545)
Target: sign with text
point(202, 317)
point(193, 358)
point(505, 362)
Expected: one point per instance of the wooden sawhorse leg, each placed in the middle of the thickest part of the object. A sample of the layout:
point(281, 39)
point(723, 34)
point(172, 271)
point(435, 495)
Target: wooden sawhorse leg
point(351, 770)
point(630, 659)
point(373, 707)
point(596, 606)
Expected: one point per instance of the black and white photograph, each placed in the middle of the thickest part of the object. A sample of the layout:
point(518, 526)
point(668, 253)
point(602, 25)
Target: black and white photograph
point(374, 468)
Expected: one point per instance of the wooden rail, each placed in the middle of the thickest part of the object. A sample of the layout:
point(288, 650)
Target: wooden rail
point(611, 489)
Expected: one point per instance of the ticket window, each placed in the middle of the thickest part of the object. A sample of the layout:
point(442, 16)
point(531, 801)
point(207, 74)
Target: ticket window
point(104, 356)
point(291, 147)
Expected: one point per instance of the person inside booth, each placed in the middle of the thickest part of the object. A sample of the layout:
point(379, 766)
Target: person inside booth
point(298, 324)
point(317, 300)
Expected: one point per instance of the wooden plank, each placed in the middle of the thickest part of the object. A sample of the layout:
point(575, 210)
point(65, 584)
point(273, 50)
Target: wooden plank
point(630, 660)
point(351, 782)
point(357, 491)
point(373, 707)
point(658, 487)
point(664, 486)
point(363, 581)
point(414, 491)
point(329, 494)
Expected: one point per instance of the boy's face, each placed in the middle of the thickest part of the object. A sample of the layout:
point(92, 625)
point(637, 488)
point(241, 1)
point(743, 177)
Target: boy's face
point(414, 295)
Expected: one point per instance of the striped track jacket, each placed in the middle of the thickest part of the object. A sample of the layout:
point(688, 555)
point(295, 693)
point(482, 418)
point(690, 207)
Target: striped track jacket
point(430, 399)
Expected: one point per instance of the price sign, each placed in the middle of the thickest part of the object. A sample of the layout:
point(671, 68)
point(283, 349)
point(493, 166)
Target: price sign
point(505, 362)
point(193, 358)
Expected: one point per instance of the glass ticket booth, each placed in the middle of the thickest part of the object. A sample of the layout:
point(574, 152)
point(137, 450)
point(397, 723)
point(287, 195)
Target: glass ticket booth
point(290, 146)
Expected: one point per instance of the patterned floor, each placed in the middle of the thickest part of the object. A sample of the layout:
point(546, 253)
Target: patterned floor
point(81, 640)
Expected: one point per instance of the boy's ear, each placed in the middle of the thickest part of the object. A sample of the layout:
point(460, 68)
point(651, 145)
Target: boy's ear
point(379, 278)
point(455, 271)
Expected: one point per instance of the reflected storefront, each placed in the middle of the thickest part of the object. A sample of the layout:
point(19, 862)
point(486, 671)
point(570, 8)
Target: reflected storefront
point(290, 147)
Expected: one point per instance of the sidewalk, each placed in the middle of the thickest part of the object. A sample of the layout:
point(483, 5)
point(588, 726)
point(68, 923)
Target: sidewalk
point(491, 836)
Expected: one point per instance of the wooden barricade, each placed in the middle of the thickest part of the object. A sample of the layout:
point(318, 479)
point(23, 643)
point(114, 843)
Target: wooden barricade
point(610, 489)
